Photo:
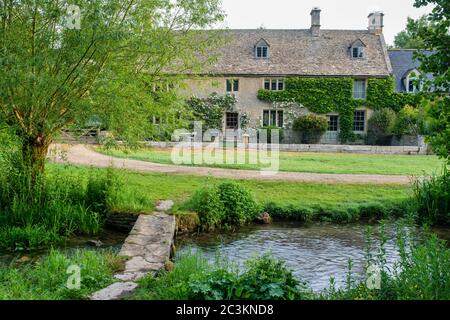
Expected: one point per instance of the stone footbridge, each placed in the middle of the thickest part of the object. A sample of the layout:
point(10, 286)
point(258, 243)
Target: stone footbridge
point(147, 249)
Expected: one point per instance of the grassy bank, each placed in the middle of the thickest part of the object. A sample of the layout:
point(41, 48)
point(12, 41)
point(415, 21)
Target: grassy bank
point(47, 278)
point(140, 191)
point(311, 162)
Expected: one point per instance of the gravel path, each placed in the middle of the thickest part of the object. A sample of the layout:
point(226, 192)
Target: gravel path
point(82, 155)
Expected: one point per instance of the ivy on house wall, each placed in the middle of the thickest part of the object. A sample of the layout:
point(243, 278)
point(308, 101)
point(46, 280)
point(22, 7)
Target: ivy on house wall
point(325, 95)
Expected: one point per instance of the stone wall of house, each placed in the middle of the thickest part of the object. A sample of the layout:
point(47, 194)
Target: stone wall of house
point(248, 102)
point(246, 96)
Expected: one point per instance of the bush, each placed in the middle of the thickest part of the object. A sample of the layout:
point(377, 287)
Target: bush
point(209, 207)
point(381, 126)
point(311, 127)
point(269, 134)
point(262, 278)
point(228, 204)
point(409, 121)
point(432, 199)
point(240, 206)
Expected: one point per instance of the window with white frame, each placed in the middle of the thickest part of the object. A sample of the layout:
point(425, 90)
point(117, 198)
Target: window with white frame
point(412, 84)
point(232, 85)
point(262, 52)
point(333, 123)
point(273, 118)
point(274, 84)
point(358, 52)
point(359, 89)
point(359, 121)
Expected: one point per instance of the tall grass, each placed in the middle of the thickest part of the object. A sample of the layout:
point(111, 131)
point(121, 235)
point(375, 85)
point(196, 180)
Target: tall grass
point(432, 198)
point(47, 279)
point(37, 211)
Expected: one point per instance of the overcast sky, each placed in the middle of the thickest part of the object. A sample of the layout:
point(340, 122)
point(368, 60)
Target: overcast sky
point(336, 14)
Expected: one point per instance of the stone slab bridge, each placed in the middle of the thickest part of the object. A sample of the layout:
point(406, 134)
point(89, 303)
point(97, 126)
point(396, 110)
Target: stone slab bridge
point(147, 248)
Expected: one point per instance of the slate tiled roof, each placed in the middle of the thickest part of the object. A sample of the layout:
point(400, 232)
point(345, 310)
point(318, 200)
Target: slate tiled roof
point(296, 52)
point(403, 61)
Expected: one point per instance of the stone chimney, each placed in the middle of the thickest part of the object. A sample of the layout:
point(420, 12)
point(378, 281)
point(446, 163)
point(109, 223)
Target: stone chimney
point(315, 22)
point(376, 22)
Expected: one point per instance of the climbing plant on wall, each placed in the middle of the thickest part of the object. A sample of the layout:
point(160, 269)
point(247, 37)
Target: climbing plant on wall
point(332, 94)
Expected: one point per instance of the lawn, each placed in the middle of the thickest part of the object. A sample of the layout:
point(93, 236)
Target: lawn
point(339, 163)
point(140, 191)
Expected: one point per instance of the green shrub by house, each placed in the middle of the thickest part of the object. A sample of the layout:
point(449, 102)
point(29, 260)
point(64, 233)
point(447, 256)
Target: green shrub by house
point(311, 127)
point(409, 121)
point(330, 94)
point(381, 125)
point(268, 134)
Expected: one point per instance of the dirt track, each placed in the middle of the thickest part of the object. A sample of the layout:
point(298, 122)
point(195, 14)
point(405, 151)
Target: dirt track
point(82, 155)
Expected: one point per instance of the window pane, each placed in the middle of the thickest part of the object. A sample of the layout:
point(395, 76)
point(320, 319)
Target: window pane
point(280, 85)
point(273, 118)
point(266, 118)
point(267, 84)
point(355, 53)
point(360, 52)
point(333, 122)
point(259, 52)
point(359, 89)
point(264, 54)
point(274, 85)
point(229, 86)
point(235, 85)
point(232, 120)
point(359, 121)
point(280, 119)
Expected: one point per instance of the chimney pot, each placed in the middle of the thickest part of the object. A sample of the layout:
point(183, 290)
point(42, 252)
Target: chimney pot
point(315, 22)
point(376, 22)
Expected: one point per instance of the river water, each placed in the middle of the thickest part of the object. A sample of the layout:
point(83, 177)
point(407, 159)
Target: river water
point(314, 252)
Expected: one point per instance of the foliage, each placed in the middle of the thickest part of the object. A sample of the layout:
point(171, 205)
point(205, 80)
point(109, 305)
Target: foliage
point(209, 207)
point(311, 127)
point(324, 95)
point(437, 41)
point(338, 213)
point(194, 278)
point(240, 206)
point(227, 204)
point(54, 76)
point(211, 109)
point(47, 278)
point(381, 126)
point(409, 121)
point(422, 273)
point(432, 199)
point(408, 39)
point(438, 126)
point(43, 211)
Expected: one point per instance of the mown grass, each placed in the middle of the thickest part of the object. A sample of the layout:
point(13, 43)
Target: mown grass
point(140, 191)
point(338, 163)
point(47, 278)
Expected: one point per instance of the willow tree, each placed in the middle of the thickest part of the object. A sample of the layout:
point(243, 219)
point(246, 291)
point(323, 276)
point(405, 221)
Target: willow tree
point(63, 62)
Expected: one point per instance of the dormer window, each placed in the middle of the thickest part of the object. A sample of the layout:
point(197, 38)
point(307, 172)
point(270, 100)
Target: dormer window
point(411, 81)
point(262, 49)
point(357, 49)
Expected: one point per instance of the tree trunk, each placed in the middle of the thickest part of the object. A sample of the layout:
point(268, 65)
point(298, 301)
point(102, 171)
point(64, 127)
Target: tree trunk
point(34, 154)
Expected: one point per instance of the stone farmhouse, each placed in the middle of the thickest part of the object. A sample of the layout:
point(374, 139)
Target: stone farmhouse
point(264, 59)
